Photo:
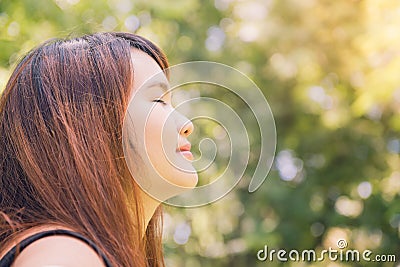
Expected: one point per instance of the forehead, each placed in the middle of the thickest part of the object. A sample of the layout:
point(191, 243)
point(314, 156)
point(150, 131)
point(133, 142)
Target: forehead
point(144, 67)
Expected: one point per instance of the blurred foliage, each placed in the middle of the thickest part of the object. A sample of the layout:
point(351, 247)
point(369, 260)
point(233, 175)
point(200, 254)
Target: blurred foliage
point(330, 71)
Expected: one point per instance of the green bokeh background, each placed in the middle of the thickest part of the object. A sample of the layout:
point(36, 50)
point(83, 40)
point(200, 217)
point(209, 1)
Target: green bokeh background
point(331, 73)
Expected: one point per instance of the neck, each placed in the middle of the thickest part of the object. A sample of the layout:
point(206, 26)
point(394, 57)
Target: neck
point(149, 207)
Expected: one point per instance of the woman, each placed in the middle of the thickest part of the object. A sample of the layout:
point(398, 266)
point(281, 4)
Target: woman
point(67, 197)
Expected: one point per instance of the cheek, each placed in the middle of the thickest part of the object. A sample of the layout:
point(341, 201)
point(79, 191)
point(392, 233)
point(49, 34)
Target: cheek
point(160, 133)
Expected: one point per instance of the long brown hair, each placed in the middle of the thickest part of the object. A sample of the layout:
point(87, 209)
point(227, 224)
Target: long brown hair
point(61, 156)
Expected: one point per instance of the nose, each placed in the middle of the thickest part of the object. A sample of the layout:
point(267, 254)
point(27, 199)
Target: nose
point(185, 126)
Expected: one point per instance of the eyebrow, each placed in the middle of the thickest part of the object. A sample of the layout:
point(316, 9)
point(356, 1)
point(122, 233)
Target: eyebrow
point(164, 86)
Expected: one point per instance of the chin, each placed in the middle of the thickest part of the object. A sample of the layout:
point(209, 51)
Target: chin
point(183, 174)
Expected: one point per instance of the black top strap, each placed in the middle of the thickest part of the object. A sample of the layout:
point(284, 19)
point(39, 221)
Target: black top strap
point(8, 259)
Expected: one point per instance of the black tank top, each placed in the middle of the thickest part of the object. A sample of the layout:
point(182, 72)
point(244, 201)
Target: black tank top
point(8, 258)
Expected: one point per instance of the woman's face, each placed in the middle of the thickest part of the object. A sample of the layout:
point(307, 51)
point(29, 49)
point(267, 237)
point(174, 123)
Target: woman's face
point(159, 133)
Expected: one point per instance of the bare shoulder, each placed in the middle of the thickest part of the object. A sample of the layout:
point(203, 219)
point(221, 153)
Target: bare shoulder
point(58, 250)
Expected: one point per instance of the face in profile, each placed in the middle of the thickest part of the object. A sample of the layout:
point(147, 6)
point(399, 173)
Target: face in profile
point(156, 147)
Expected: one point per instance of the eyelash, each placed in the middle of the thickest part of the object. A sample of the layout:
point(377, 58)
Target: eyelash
point(160, 101)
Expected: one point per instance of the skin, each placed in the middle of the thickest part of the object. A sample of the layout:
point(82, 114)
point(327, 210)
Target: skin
point(58, 251)
point(167, 168)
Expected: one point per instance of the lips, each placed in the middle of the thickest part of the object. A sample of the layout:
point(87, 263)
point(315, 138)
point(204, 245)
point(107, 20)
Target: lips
point(185, 151)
